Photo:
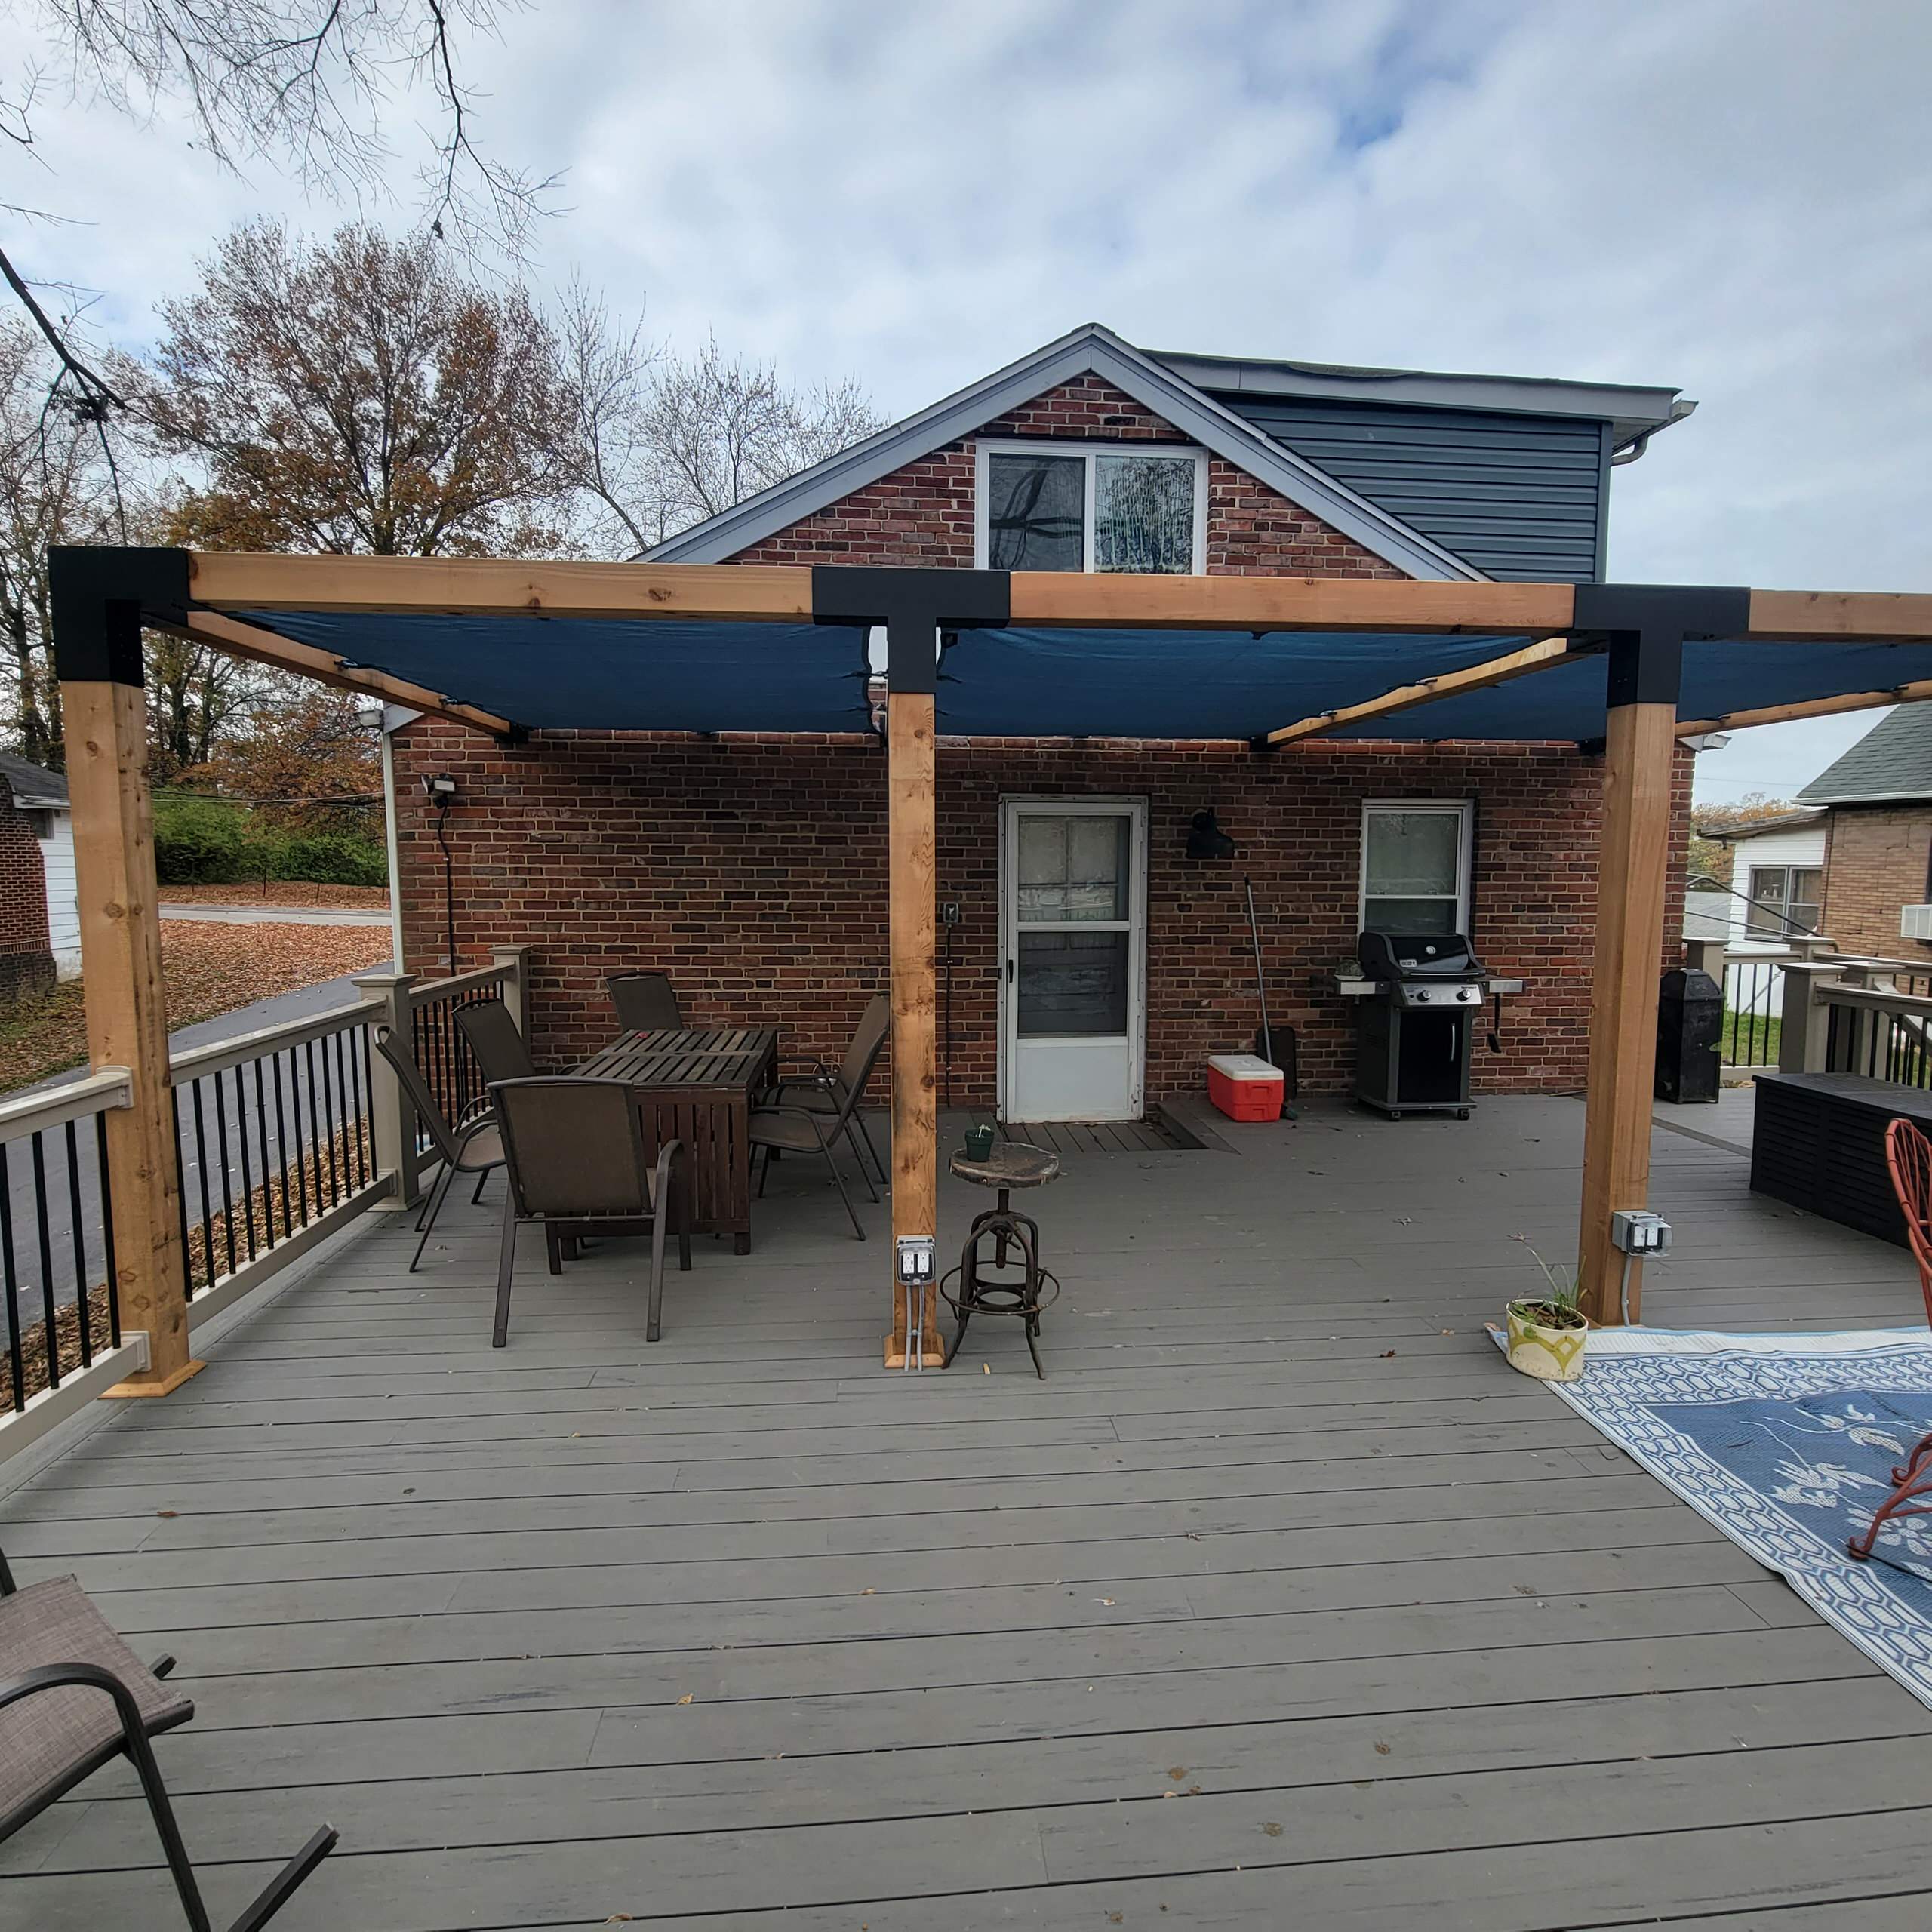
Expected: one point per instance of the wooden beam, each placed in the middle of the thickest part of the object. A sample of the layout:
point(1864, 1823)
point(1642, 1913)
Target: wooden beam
point(1071, 598)
point(1810, 707)
point(1897, 617)
point(1425, 691)
point(126, 1017)
point(285, 653)
point(236, 580)
point(912, 843)
point(1633, 874)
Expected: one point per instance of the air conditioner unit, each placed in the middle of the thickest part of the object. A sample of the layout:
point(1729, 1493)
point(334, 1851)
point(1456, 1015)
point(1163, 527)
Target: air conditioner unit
point(1916, 922)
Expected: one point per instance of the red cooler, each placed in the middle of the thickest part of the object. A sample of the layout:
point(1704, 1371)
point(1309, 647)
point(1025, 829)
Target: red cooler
point(1244, 1087)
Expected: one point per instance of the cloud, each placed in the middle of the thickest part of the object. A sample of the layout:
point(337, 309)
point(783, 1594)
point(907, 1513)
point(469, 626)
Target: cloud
point(1731, 195)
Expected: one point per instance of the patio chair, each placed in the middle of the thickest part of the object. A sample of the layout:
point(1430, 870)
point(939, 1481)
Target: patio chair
point(73, 1698)
point(496, 1041)
point(823, 1090)
point(791, 1127)
point(575, 1161)
point(1909, 1158)
point(645, 1001)
point(475, 1148)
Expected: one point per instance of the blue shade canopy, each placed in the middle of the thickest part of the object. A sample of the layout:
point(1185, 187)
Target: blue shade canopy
point(608, 673)
point(1105, 684)
point(648, 674)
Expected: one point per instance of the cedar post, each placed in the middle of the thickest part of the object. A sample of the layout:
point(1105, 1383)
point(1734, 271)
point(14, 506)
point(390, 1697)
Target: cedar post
point(98, 599)
point(920, 608)
point(1645, 627)
point(912, 835)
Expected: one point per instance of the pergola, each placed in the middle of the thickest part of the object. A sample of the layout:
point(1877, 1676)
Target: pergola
point(508, 647)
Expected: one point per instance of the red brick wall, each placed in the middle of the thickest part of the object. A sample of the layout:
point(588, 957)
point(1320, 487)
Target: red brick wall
point(1875, 861)
point(26, 964)
point(923, 514)
point(754, 871)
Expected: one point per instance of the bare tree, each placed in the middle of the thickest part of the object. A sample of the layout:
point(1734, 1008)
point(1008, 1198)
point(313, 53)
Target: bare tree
point(305, 85)
point(653, 442)
point(54, 488)
point(355, 394)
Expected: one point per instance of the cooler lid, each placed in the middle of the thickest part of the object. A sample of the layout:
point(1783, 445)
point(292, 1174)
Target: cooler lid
point(1243, 1066)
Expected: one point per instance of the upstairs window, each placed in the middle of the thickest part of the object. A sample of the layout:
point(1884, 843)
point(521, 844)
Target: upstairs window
point(1073, 506)
point(1785, 901)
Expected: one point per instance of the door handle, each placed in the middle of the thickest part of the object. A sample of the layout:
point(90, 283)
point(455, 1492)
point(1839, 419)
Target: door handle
point(1009, 972)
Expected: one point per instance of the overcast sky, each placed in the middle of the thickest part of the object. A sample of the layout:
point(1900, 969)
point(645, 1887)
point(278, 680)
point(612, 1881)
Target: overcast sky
point(1730, 196)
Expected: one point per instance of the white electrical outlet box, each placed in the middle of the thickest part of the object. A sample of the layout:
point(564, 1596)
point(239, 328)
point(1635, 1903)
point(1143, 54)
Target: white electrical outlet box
point(916, 1259)
point(1637, 1231)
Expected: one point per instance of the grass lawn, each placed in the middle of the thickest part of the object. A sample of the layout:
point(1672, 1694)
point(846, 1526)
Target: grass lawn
point(1754, 1042)
point(207, 968)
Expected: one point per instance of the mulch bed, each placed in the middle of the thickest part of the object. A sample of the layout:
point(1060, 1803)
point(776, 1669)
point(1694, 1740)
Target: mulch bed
point(300, 893)
point(209, 969)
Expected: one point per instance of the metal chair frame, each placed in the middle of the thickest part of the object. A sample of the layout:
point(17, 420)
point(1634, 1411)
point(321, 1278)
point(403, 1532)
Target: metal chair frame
point(651, 986)
point(456, 1145)
point(1909, 1160)
point(827, 1129)
point(825, 1078)
point(134, 1742)
point(562, 1231)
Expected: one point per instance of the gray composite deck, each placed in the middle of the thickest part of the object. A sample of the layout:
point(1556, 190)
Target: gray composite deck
point(1281, 1602)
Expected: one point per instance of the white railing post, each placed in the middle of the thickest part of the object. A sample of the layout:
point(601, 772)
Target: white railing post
point(1804, 1027)
point(1705, 955)
point(514, 960)
point(392, 1118)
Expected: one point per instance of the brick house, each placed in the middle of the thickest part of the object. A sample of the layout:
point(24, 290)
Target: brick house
point(753, 868)
point(1877, 838)
point(27, 956)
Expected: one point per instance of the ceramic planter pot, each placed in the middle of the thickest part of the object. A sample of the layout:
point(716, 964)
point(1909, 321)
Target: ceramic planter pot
point(1556, 1354)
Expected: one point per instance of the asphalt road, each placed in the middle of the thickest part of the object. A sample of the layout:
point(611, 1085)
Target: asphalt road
point(33, 1275)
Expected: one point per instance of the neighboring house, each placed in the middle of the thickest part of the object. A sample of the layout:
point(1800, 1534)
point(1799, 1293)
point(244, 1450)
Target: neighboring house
point(753, 869)
point(1877, 802)
point(1776, 882)
point(26, 957)
point(42, 796)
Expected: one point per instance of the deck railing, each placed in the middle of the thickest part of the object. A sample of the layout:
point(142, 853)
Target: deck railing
point(1861, 1013)
point(285, 1135)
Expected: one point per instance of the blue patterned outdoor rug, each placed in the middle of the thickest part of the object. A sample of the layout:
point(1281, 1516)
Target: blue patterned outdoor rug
point(1787, 1443)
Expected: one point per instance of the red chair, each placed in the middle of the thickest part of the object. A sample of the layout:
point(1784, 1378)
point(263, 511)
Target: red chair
point(1909, 1159)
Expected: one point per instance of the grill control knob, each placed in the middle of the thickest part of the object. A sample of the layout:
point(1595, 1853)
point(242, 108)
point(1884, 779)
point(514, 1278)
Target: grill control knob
point(1422, 994)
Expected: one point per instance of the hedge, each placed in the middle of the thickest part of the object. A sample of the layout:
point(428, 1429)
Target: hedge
point(210, 841)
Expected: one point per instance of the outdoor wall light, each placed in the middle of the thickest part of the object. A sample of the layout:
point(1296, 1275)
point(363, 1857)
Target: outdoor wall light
point(1206, 840)
point(442, 788)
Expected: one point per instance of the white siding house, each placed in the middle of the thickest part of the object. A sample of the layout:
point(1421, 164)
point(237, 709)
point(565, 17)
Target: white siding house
point(1777, 882)
point(42, 795)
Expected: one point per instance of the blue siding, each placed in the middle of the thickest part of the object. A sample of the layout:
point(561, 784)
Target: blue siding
point(1521, 496)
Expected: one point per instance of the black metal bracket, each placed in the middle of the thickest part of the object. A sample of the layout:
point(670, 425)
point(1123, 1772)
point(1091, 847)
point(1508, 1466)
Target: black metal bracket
point(912, 604)
point(1644, 626)
point(101, 596)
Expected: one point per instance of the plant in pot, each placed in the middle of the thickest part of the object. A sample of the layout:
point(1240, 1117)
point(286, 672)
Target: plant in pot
point(1547, 1332)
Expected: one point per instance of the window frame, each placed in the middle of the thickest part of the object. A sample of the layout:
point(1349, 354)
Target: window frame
point(1465, 811)
point(1785, 927)
point(984, 450)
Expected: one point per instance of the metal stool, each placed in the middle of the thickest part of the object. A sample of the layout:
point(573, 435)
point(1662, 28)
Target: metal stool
point(968, 1292)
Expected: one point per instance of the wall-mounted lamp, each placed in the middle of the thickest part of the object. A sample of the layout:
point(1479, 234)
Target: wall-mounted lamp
point(441, 787)
point(1206, 840)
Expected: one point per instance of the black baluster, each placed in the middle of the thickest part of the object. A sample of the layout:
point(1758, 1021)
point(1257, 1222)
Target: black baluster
point(201, 1176)
point(84, 1313)
point(43, 1242)
point(106, 1224)
point(9, 1279)
point(241, 1149)
point(325, 1114)
point(282, 1146)
point(227, 1172)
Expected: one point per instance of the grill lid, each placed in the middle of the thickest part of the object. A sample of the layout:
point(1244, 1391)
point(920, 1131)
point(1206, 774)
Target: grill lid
point(1399, 956)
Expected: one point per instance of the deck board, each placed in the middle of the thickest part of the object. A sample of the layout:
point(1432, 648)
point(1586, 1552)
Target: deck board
point(1280, 1542)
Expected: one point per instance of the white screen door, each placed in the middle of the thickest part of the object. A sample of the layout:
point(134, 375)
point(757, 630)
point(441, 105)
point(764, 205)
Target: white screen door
point(1073, 958)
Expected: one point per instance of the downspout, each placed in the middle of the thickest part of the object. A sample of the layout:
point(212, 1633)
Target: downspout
point(1632, 451)
point(390, 719)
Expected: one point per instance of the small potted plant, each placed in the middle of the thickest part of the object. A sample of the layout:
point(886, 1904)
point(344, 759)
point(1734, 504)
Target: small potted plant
point(1547, 1332)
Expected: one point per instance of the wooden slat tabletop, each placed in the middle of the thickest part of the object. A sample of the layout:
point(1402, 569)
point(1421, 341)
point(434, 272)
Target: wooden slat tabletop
point(708, 1056)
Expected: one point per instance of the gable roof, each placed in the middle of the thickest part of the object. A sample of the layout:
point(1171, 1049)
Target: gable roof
point(33, 789)
point(1893, 760)
point(1088, 350)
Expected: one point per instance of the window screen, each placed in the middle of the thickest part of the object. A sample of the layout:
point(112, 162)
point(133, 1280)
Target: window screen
point(1412, 868)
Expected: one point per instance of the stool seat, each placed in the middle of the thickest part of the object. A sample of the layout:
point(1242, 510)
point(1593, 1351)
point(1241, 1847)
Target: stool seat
point(1011, 1164)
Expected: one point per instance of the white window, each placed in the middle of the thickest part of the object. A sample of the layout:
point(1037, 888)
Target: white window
point(1415, 866)
point(1091, 507)
point(1785, 900)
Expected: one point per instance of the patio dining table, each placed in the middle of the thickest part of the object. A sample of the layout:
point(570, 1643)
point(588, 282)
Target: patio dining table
point(698, 1085)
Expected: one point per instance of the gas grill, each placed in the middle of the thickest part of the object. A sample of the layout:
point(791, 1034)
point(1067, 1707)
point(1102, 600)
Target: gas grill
point(1413, 1036)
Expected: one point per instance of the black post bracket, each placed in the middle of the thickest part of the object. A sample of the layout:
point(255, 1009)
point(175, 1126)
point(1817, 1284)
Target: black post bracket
point(102, 594)
point(912, 604)
point(1644, 626)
